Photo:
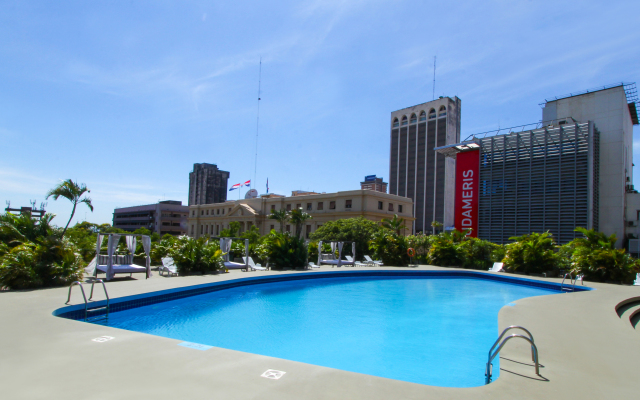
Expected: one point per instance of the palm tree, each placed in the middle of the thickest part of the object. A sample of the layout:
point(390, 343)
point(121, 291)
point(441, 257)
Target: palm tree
point(395, 224)
point(298, 217)
point(281, 216)
point(73, 192)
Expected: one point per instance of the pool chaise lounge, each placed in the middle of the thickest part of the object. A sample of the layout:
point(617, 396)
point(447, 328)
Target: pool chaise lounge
point(497, 267)
point(168, 266)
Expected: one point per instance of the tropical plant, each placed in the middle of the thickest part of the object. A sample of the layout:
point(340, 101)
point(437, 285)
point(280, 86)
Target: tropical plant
point(282, 216)
point(596, 257)
point(73, 192)
point(285, 251)
point(232, 231)
point(444, 250)
point(390, 247)
point(196, 255)
point(298, 218)
point(395, 224)
point(359, 230)
point(478, 254)
point(421, 244)
point(533, 253)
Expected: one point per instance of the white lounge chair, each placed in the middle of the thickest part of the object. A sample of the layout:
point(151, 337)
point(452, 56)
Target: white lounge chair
point(375, 263)
point(313, 265)
point(168, 266)
point(637, 281)
point(253, 265)
point(497, 267)
point(355, 263)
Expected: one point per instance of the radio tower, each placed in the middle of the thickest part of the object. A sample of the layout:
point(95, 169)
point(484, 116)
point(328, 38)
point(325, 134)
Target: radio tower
point(255, 163)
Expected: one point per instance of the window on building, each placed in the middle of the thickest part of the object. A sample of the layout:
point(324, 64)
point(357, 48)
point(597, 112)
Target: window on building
point(229, 209)
point(218, 211)
point(201, 212)
point(273, 207)
point(206, 229)
point(308, 231)
point(443, 112)
point(347, 204)
point(288, 228)
point(332, 205)
point(299, 206)
point(193, 213)
point(399, 208)
point(192, 229)
point(390, 206)
point(309, 207)
point(207, 212)
point(413, 119)
point(320, 205)
point(272, 227)
point(404, 120)
point(288, 207)
point(223, 211)
point(217, 229)
point(318, 227)
point(432, 113)
point(423, 116)
point(201, 229)
point(396, 123)
point(380, 205)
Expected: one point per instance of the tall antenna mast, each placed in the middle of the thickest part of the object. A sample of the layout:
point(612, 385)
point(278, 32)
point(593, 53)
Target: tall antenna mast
point(255, 164)
point(434, 77)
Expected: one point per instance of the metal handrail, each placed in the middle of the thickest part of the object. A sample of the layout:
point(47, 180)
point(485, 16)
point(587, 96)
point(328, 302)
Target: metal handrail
point(86, 304)
point(491, 357)
point(508, 329)
point(571, 280)
point(105, 292)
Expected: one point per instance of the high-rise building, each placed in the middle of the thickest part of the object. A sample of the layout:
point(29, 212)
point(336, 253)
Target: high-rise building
point(207, 184)
point(416, 170)
point(372, 182)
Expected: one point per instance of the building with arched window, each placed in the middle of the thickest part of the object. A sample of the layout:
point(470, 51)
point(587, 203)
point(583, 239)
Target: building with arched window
point(416, 170)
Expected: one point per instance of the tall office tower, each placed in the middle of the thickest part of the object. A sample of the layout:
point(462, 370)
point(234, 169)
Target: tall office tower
point(207, 184)
point(416, 170)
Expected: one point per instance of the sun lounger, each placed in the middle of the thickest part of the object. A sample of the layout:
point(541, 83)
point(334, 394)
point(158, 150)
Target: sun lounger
point(253, 265)
point(374, 263)
point(355, 263)
point(168, 266)
point(497, 267)
point(637, 281)
point(313, 265)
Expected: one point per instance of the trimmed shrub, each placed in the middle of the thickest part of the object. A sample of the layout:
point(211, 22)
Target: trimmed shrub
point(390, 247)
point(533, 253)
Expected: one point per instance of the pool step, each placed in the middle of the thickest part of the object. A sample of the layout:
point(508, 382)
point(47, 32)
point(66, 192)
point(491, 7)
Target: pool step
point(629, 310)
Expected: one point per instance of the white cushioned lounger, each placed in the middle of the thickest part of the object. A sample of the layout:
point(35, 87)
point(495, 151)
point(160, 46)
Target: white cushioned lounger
point(234, 265)
point(123, 269)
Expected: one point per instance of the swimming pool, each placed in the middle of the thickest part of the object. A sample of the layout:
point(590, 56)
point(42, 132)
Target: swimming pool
point(428, 328)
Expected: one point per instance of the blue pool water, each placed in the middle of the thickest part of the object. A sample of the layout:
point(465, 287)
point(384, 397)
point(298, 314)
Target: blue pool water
point(434, 331)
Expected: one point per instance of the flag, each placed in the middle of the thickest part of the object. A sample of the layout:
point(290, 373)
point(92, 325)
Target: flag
point(247, 183)
point(236, 186)
point(267, 185)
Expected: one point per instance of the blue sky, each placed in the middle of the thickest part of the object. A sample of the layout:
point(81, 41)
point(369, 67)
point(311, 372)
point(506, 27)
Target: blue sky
point(127, 96)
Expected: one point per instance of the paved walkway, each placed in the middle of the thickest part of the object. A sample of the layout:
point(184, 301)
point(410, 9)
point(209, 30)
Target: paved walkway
point(587, 351)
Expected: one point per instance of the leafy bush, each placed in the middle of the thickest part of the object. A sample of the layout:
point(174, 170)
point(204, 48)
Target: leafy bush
point(359, 230)
point(596, 257)
point(34, 254)
point(533, 253)
point(444, 250)
point(421, 244)
point(477, 253)
point(390, 247)
point(196, 255)
point(285, 251)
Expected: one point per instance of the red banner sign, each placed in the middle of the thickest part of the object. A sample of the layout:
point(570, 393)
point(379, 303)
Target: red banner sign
point(467, 191)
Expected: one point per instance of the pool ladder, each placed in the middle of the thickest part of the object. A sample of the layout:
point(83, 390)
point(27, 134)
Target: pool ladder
point(493, 354)
point(88, 310)
point(572, 281)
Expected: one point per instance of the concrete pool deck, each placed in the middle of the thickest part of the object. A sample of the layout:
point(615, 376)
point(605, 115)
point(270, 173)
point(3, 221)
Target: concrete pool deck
point(587, 351)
